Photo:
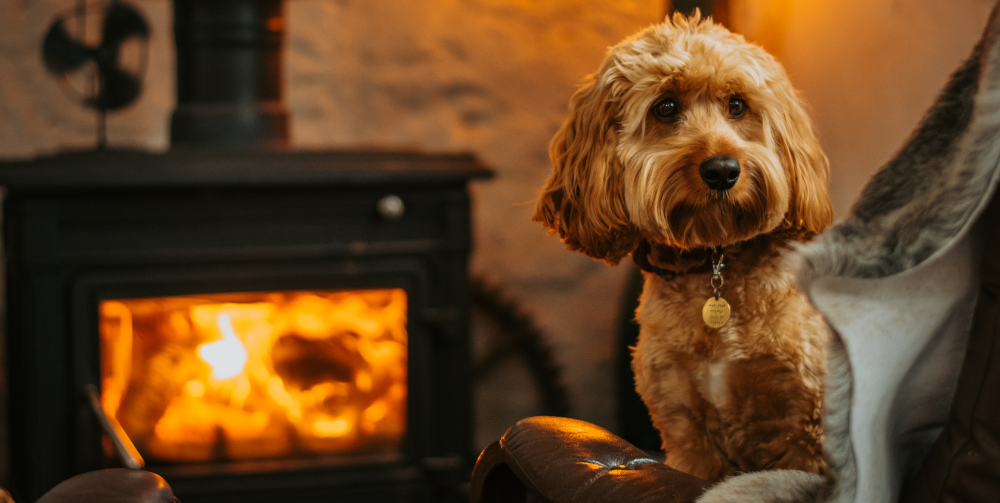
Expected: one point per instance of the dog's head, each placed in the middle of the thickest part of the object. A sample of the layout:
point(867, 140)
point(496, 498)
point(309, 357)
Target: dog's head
point(689, 137)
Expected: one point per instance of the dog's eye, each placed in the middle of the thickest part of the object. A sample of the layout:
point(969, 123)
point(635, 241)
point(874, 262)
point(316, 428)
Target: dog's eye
point(737, 107)
point(666, 110)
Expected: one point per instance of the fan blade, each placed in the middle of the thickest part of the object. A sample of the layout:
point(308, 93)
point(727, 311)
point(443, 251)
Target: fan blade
point(118, 90)
point(121, 22)
point(61, 53)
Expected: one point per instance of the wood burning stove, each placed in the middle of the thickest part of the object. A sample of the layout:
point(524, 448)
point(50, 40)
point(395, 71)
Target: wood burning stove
point(265, 326)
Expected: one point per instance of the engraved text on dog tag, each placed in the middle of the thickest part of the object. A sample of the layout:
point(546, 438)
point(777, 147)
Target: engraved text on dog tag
point(716, 312)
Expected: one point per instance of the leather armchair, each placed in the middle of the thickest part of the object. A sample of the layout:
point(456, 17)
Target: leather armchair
point(553, 459)
point(114, 485)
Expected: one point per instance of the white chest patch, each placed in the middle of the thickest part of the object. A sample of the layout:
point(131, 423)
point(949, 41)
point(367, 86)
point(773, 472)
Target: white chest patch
point(713, 382)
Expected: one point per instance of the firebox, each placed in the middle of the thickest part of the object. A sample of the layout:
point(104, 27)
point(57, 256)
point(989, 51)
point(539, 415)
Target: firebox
point(257, 375)
point(262, 326)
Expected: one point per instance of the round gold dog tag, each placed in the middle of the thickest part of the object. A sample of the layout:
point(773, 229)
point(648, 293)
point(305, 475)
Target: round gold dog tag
point(716, 312)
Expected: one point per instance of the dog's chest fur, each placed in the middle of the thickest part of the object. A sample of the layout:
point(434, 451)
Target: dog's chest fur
point(746, 396)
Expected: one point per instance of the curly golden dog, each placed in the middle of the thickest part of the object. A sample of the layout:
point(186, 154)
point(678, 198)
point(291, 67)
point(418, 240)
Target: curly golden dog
point(690, 150)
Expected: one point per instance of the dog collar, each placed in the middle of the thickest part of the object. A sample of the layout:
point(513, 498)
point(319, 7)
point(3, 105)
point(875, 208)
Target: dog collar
point(640, 256)
point(701, 257)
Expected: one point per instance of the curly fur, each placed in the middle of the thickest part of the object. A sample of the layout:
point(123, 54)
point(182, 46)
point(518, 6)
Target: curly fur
point(747, 396)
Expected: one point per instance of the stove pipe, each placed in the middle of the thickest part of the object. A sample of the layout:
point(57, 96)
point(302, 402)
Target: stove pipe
point(229, 89)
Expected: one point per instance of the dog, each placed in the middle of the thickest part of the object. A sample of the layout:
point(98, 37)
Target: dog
point(690, 150)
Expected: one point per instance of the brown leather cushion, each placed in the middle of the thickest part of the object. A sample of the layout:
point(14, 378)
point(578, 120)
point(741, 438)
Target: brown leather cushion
point(114, 485)
point(561, 460)
point(963, 465)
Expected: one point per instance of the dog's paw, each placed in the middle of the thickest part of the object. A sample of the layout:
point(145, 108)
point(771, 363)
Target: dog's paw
point(771, 486)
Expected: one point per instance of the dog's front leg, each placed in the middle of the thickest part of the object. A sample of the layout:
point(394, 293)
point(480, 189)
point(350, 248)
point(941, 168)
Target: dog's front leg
point(688, 424)
point(772, 419)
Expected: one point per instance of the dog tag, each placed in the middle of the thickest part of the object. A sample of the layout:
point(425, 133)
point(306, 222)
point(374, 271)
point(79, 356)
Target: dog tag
point(716, 312)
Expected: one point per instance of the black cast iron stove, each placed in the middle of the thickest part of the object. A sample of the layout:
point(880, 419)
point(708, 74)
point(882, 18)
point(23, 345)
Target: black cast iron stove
point(204, 230)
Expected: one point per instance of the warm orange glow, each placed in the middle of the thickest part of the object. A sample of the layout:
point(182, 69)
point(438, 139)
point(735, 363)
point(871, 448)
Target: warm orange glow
point(238, 376)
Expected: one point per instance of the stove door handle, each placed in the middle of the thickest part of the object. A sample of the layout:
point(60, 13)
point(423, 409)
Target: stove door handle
point(123, 445)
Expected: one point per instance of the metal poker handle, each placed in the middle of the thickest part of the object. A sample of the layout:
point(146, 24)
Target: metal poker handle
point(123, 445)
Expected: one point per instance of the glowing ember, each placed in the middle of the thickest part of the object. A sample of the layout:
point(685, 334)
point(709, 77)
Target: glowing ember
point(240, 376)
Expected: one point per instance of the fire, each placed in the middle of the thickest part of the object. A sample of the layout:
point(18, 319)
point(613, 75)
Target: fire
point(239, 376)
point(227, 356)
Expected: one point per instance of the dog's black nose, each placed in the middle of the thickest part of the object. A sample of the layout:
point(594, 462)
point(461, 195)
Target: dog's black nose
point(720, 173)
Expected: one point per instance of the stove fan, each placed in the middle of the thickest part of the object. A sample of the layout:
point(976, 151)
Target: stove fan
point(105, 76)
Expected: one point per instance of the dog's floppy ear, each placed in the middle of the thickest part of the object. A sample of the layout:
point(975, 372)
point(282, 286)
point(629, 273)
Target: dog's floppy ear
point(806, 165)
point(582, 199)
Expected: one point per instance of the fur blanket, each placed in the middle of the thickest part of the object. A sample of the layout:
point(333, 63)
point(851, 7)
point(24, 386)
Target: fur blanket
point(897, 282)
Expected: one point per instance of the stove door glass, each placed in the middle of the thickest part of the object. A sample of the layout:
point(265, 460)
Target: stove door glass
point(226, 377)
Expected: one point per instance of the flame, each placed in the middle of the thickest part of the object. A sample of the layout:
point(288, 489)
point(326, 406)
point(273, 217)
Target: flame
point(240, 376)
point(228, 356)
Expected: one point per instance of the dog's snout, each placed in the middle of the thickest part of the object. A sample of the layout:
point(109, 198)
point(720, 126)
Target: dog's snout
point(720, 173)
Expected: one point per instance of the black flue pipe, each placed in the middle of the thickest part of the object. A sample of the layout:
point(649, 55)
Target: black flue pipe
point(229, 73)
